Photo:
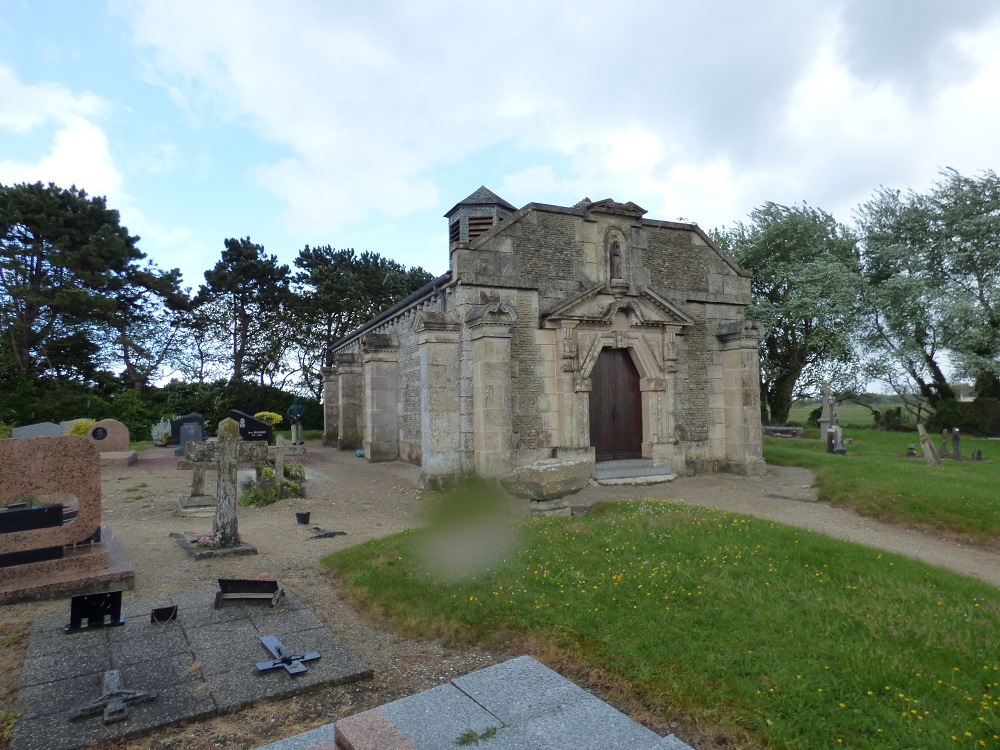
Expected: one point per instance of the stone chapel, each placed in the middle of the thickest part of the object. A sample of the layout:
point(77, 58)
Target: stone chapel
point(583, 331)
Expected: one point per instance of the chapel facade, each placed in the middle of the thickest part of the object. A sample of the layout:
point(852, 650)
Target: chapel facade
point(582, 331)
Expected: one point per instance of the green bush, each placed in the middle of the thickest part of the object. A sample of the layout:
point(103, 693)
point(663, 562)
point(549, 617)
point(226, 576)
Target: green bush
point(82, 426)
point(267, 492)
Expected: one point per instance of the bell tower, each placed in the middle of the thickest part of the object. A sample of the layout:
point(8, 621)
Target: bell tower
point(476, 215)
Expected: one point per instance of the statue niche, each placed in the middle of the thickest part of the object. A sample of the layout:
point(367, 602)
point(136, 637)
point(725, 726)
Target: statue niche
point(616, 260)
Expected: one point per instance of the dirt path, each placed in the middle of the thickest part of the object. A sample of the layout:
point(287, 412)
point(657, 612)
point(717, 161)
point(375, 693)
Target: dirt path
point(374, 500)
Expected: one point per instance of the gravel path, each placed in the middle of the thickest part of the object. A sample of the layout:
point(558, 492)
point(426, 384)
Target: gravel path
point(367, 501)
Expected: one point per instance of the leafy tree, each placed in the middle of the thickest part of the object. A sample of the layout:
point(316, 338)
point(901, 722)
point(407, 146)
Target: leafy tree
point(71, 283)
point(805, 294)
point(249, 291)
point(337, 291)
point(65, 261)
point(932, 267)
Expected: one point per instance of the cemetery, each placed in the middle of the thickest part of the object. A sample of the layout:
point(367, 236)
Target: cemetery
point(208, 624)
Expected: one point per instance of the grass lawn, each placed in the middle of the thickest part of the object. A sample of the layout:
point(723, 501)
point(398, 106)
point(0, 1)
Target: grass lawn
point(851, 415)
point(876, 479)
point(771, 636)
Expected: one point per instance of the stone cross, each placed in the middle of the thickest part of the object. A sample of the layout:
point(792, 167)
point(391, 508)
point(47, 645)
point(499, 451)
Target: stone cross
point(930, 453)
point(228, 451)
point(278, 453)
point(826, 413)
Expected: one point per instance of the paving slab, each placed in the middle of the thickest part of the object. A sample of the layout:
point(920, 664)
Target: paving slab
point(517, 705)
point(200, 664)
point(322, 738)
point(541, 689)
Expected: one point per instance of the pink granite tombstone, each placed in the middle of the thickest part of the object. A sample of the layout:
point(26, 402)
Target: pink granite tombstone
point(111, 436)
point(62, 466)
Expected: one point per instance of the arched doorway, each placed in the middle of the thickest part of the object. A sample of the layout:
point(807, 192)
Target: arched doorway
point(615, 407)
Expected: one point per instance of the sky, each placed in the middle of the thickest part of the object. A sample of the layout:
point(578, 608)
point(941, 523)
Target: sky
point(360, 124)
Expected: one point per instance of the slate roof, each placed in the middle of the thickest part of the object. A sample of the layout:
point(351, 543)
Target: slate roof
point(482, 197)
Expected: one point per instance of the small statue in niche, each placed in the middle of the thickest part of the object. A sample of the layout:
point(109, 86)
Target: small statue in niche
point(616, 260)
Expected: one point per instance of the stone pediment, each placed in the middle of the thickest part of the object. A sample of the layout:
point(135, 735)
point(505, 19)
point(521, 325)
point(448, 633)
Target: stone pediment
point(609, 206)
point(598, 306)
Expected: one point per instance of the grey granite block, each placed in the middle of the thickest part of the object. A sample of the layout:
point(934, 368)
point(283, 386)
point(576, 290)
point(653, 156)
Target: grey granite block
point(229, 648)
point(269, 622)
point(53, 732)
point(146, 645)
point(436, 718)
point(51, 640)
point(196, 666)
point(585, 724)
point(70, 661)
point(538, 689)
point(179, 669)
point(178, 703)
point(59, 697)
point(321, 738)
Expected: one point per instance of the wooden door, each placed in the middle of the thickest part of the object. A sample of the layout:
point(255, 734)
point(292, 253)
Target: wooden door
point(615, 407)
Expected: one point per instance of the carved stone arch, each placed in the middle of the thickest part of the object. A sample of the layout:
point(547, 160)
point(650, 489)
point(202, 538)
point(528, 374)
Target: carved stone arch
point(642, 354)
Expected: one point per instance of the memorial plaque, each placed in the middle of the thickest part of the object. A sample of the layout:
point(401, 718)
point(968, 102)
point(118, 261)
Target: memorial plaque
point(89, 611)
point(251, 428)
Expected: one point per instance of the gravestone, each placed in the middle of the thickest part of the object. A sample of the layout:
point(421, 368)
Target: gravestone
point(22, 517)
point(114, 443)
point(176, 422)
point(190, 431)
point(46, 466)
point(977, 455)
point(40, 429)
point(826, 413)
point(956, 445)
point(835, 439)
point(252, 428)
point(930, 452)
point(111, 436)
point(227, 452)
point(944, 443)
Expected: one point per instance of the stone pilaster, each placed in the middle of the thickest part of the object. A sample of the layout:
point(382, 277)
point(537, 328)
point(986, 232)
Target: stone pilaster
point(439, 339)
point(493, 433)
point(380, 367)
point(741, 396)
point(351, 402)
point(331, 406)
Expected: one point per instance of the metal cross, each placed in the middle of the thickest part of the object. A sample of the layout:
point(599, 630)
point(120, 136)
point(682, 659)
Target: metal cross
point(113, 704)
point(282, 658)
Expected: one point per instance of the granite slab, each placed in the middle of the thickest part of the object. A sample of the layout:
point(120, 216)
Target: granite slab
point(200, 664)
point(517, 705)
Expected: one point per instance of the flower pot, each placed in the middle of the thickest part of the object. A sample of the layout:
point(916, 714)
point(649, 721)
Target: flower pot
point(302, 518)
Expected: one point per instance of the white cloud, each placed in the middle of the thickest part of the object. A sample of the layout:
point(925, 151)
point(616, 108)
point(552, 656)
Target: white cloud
point(700, 110)
point(79, 156)
point(28, 107)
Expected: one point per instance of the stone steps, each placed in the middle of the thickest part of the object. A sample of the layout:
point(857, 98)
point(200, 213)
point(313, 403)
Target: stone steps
point(631, 472)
